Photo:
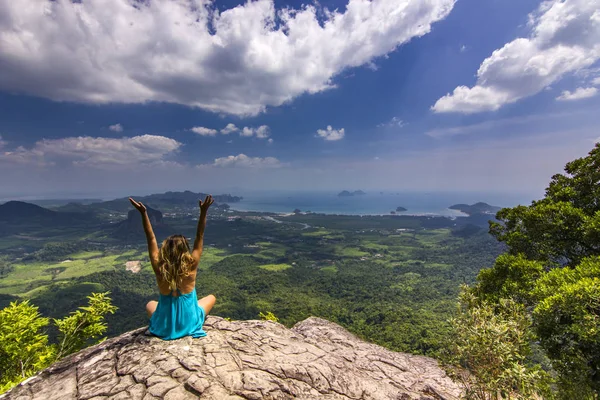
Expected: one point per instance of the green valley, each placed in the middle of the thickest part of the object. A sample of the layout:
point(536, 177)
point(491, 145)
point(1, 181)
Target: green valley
point(392, 280)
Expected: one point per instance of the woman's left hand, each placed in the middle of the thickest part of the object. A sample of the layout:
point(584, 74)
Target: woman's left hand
point(208, 201)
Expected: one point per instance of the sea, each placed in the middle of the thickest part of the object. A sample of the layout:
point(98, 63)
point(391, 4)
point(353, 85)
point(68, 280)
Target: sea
point(372, 203)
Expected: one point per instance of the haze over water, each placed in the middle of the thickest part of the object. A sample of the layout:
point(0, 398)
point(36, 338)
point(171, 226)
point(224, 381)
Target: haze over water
point(372, 203)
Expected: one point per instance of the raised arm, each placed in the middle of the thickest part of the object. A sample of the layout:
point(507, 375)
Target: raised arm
point(150, 238)
point(199, 241)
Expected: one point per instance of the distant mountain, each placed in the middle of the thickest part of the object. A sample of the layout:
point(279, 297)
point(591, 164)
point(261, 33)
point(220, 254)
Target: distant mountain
point(21, 217)
point(61, 202)
point(164, 200)
point(74, 207)
point(477, 208)
point(401, 209)
point(131, 229)
point(14, 211)
point(346, 193)
point(189, 197)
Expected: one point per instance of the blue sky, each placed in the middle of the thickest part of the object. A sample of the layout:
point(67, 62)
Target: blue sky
point(105, 99)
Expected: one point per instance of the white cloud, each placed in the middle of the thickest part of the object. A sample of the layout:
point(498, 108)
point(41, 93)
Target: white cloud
point(463, 48)
point(229, 129)
point(237, 61)
point(247, 132)
point(242, 160)
point(202, 131)
point(97, 152)
point(331, 134)
point(578, 94)
point(394, 122)
point(596, 81)
point(2, 142)
point(270, 141)
point(116, 128)
point(565, 38)
point(262, 132)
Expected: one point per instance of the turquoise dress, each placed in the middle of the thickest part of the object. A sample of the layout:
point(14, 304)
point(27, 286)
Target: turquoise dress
point(178, 316)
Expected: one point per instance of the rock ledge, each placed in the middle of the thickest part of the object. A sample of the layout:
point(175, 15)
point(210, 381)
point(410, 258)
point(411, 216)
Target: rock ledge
point(316, 359)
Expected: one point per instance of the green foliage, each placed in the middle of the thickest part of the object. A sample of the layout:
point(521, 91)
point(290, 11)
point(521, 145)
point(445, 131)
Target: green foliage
point(268, 316)
point(77, 329)
point(553, 268)
point(562, 228)
point(511, 277)
point(488, 350)
point(24, 347)
point(58, 251)
point(5, 267)
point(567, 322)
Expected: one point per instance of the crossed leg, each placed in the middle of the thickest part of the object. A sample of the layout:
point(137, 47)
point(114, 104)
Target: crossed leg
point(151, 307)
point(207, 303)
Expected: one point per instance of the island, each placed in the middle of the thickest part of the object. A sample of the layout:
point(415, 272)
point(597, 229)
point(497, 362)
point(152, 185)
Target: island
point(477, 208)
point(401, 209)
point(345, 193)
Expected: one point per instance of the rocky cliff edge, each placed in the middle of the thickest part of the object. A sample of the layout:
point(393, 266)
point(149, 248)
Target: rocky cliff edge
point(316, 359)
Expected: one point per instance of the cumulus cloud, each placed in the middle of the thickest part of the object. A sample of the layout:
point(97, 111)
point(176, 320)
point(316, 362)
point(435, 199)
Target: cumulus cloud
point(247, 132)
point(242, 160)
point(237, 61)
point(96, 152)
point(202, 131)
point(262, 132)
point(116, 128)
point(229, 129)
point(565, 38)
point(270, 141)
point(596, 81)
point(331, 134)
point(578, 94)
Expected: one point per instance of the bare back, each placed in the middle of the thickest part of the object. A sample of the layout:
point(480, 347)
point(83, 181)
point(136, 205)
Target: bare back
point(188, 283)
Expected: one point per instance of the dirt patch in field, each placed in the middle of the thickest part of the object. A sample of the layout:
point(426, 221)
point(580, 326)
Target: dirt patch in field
point(133, 266)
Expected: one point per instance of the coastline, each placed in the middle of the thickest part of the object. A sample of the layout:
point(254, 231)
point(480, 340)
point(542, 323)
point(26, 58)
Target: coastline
point(452, 214)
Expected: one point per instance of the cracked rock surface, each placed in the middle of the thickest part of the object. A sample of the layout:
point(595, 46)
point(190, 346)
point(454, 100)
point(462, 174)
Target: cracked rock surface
point(316, 359)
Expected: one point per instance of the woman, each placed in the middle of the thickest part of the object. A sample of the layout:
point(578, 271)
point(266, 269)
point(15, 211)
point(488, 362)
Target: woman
point(177, 313)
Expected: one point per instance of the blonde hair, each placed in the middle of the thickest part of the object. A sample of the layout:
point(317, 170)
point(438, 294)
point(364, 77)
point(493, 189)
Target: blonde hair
point(175, 260)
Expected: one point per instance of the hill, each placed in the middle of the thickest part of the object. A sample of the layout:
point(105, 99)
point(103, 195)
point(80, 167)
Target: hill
point(345, 193)
point(19, 210)
point(131, 229)
point(242, 360)
point(165, 201)
point(22, 213)
point(477, 208)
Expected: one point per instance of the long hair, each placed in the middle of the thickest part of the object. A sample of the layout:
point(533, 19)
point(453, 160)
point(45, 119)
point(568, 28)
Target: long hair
point(175, 260)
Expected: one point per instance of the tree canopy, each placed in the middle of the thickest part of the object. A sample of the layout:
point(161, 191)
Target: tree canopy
point(552, 267)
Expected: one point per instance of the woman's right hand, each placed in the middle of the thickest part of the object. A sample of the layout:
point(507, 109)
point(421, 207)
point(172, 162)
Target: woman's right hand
point(139, 206)
point(204, 205)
